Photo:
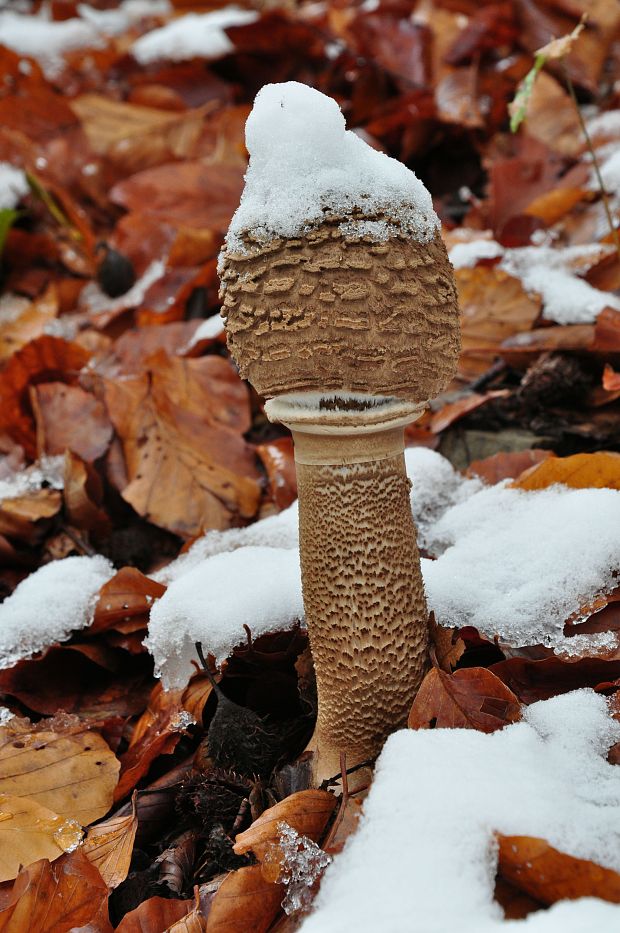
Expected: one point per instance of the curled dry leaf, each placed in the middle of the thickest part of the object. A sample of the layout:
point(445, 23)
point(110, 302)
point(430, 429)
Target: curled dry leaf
point(279, 463)
point(548, 875)
point(72, 774)
point(26, 518)
point(533, 680)
point(68, 418)
point(125, 600)
point(453, 411)
point(42, 359)
point(245, 901)
point(446, 646)
point(83, 495)
point(471, 698)
point(154, 915)
point(581, 471)
point(307, 811)
point(109, 846)
point(54, 898)
point(188, 466)
point(29, 324)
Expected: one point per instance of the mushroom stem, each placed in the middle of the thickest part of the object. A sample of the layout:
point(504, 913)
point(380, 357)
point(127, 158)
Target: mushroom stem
point(362, 585)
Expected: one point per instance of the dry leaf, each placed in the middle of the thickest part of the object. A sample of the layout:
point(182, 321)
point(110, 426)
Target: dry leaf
point(68, 418)
point(155, 915)
point(54, 898)
point(548, 875)
point(109, 846)
point(25, 518)
point(29, 324)
point(501, 466)
point(73, 775)
point(446, 646)
point(471, 698)
point(307, 812)
point(126, 598)
point(29, 831)
point(532, 680)
point(581, 471)
point(245, 901)
point(83, 495)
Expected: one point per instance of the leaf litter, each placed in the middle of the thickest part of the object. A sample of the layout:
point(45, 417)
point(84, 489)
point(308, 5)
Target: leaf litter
point(129, 388)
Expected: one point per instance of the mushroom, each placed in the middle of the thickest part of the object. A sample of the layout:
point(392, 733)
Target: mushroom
point(340, 308)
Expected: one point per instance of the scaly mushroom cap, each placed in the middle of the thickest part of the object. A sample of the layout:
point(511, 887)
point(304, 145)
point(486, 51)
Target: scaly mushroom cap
point(326, 311)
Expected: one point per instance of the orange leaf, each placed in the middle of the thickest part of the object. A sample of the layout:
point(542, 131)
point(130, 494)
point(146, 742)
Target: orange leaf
point(471, 698)
point(53, 898)
point(547, 875)
point(128, 596)
point(68, 418)
point(245, 901)
point(306, 811)
point(26, 517)
point(581, 471)
point(154, 915)
point(446, 648)
point(501, 466)
point(109, 846)
point(611, 379)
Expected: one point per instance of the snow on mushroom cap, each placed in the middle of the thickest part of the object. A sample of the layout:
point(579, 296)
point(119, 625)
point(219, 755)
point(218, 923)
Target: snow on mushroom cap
point(304, 163)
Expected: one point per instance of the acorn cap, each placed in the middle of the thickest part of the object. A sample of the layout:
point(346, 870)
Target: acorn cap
point(328, 312)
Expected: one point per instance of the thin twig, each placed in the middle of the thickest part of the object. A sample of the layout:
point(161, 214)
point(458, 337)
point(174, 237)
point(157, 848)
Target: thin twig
point(343, 801)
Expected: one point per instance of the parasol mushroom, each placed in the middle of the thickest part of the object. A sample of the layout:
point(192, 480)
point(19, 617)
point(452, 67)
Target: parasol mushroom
point(341, 309)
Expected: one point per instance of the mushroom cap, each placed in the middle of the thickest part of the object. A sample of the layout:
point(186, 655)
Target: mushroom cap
point(328, 312)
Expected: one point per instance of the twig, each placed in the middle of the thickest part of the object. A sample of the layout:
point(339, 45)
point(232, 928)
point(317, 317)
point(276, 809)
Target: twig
point(343, 801)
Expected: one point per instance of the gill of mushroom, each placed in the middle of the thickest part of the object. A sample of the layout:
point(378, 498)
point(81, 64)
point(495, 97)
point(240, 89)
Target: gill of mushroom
point(346, 321)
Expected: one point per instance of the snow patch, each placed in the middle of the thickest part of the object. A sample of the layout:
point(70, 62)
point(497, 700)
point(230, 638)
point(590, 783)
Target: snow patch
point(467, 255)
point(195, 35)
point(13, 183)
point(47, 606)
point(255, 586)
point(305, 164)
point(46, 472)
point(420, 838)
point(211, 328)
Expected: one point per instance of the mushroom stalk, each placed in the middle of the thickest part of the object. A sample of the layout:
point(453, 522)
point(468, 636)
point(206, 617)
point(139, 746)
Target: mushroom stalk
point(362, 585)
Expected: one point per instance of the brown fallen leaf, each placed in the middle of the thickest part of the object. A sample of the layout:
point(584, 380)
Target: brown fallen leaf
point(501, 466)
point(54, 898)
point(43, 359)
point(29, 831)
point(109, 846)
point(29, 324)
point(471, 698)
point(127, 597)
point(279, 463)
point(72, 774)
point(83, 496)
point(446, 646)
point(550, 117)
point(26, 518)
point(68, 418)
point(548, 875)
point(494, 306)
point(306, 811)
point(188, 467)
point(533, 680)
point(156, 733)
point(155, 915)
point(581, 471)
point(448, 414)
point(245, 901)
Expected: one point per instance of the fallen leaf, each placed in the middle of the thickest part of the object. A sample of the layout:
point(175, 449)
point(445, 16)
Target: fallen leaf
point(28, 832)
point(42, 359)
point(448, 414)
point(26, 518)
point(54, 898)
point(83, 496)
point(446, 647)
point(581, 471)
point(501, 466)
point(154, 915)
point(494, 307)
point(73, 775)
point(533, 680)
point(551, 118)
point(188, 467)
point(279, 462)
point(245, 901)
point(127, 597)
point(548, 875)
point(109, 846)
point(68, 418)
point(306, 811)
point(611, 379)
point(471, 698)
point(29, 324)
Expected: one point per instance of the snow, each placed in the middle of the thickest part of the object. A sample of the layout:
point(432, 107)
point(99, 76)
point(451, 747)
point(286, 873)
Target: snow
point(47, 471)
point(47, 40)
point(211, 328)
point(467, 255)
point(48, 605)
point(304, 164)
point(511, 563)
point(423, 859)
point(13, 184)
point(277, 531)
point(195, 35)
point(519, 563)
point(255, 586)
point(552, 272)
